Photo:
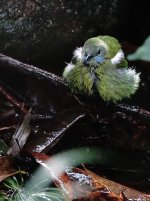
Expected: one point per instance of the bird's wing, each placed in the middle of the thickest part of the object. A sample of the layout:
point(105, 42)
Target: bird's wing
point(114, 84)
point(119, 59)
point(116, 53)
point(112, 43)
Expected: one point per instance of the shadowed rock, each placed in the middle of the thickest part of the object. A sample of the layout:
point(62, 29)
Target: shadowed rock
point(31, 29)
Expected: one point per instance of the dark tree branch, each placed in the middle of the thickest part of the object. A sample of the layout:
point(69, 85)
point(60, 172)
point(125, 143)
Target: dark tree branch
point(21, 67)
point(58, 82)
point(135, 111)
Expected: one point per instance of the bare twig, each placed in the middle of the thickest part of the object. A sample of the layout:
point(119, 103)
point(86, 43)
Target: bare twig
point(7, 128)
point(10, 98)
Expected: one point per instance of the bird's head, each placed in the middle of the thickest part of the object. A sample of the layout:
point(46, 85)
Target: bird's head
point(94, 52)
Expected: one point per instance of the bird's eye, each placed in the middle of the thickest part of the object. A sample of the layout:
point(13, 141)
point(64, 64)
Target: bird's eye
point(99, 51)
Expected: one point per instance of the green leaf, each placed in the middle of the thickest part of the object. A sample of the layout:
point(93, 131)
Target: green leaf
point(2, 197)
point(37, 193)
point(142, 53)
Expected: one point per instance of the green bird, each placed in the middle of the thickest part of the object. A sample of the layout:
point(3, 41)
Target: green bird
point(100, 67)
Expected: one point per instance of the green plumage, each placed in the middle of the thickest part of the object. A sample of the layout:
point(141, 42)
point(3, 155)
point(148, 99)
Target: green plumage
point(100, 67)
point(114, 47)
point(81, 80)
point(112, 43)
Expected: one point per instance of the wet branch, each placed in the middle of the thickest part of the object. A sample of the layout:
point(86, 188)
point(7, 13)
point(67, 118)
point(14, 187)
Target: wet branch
point(58, 82)
point(21, 67)
point(135, 111)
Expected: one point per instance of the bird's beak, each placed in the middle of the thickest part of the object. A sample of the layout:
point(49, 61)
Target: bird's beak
point(87, 59)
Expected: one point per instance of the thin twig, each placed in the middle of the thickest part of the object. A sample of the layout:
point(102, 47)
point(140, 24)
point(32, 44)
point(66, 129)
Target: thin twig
point(8, 128)
point(10, 98)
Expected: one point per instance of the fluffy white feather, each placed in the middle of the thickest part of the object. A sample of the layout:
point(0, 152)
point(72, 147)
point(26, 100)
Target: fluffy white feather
point(68, 68)
point(118, 57)
point(78, 53)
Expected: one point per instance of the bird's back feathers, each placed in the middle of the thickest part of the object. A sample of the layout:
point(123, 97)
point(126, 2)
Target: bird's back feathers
point(112, 43)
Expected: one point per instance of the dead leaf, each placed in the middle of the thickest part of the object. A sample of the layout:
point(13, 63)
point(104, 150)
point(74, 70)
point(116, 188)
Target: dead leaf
point(84, 185)
point(20, 137)
point(6, 167)
point(118, 189)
